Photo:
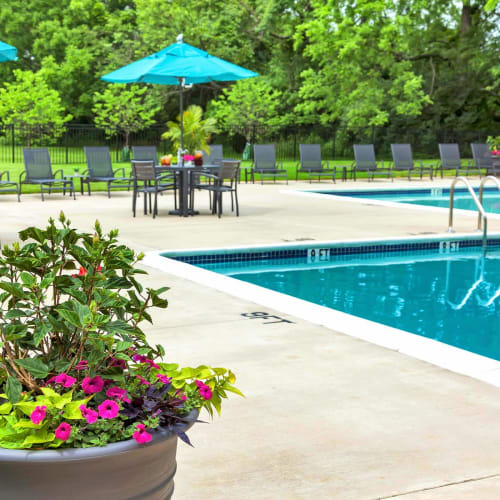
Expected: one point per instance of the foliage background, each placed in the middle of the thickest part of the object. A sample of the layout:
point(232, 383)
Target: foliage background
point(425, 64)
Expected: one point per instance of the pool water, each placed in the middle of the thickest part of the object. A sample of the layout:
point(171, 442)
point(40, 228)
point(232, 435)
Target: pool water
point(436, 197)
point(452, 298)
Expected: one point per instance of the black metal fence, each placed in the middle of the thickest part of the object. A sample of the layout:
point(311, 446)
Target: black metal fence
point(66, 143)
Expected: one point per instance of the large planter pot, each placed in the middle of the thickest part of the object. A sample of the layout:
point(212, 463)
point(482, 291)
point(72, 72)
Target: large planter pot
point(118, 471)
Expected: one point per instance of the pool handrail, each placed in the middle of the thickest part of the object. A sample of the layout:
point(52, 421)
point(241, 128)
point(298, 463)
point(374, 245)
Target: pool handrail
point(481, 189)
point(478, 205)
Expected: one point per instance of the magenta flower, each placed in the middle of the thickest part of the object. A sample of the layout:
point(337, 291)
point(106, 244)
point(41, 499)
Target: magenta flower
point(92, 385)
point(82, 365)
point(199, 383)
point(116, 392)
point(108, 409)
point(65, 380)
point(151, 363)
point(50, 381)
point(63, 431)
point(140, 435)
point(38, 414)
point(120, 363)
point(163, 378)
point(142, 380)
point(139, 358)
point(88, 414)
point(180, 395)
point(206, 392)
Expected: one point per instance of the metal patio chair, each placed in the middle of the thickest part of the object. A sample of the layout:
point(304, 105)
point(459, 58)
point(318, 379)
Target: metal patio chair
point(311, 163)
point(215, 156)
point(364, 161)
point(450, 160)
point(264, 163)
point(148, 181)
point(402, 157)
point(224, 180)
point(100, 170)
point(8, 186)
point(38, 170)
point(484, 159)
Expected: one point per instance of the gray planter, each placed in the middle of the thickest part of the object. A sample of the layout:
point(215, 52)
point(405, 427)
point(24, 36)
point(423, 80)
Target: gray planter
point(118, 471)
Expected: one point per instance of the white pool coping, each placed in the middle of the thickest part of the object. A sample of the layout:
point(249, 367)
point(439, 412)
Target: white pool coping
point(435, 352)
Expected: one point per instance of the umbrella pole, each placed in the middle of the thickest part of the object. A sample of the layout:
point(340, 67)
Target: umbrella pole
point(181, 119)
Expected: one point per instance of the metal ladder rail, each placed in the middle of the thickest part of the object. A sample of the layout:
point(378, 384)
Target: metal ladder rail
point(478, 205)
point(481, 190)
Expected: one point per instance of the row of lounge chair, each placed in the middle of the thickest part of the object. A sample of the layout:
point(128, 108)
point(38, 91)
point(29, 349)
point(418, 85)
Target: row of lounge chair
point(38, 169)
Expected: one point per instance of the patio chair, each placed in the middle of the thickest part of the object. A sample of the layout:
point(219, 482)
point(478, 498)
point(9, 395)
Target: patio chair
point(8, 186)
point(38, 170)
point(403, 160)
point(364, 161)
point(215, 156)
point(224, 180)
point(264, 163)
point(310, 163)
point(484, 159)
point(450, 160)
point(101, 170)
point(144, 153)
point(144, 171)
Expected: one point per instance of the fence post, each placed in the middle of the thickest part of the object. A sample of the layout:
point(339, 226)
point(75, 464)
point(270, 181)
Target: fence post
point(66, 143)
point(117, 156)
point(13, 138)
point(295, 145)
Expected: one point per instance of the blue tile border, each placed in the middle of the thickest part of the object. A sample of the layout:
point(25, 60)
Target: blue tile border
point(367, 193)
point(254, 255)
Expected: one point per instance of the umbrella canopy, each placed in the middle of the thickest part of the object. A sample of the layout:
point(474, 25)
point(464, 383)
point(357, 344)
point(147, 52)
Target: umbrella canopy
point(179, 64)
point(7, 52)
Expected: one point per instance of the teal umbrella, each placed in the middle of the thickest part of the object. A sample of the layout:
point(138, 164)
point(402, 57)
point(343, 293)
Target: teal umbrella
point(179, 64)
point(7, 52)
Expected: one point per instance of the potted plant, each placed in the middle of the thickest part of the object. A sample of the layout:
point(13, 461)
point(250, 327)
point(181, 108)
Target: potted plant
point(88, 407)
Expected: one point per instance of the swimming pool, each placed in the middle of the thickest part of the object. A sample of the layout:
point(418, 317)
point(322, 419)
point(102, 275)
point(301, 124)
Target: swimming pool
point(435, 298)
point(436, 197)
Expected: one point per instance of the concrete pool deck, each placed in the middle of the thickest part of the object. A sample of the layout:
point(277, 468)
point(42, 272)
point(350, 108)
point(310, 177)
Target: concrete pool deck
point(325, 415)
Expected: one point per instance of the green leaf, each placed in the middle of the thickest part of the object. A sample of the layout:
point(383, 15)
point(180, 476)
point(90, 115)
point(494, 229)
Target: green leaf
point(70, 316)
point(5, 408)
point(28, 407)
point(13, 389)
point(118, 327)
point(28, 279)
point(122, 346)
point(14, 289)
point(35, 366)
point(72, 410)
point(16, 313)
point(39, 436)
point(231, 388)
point(40, 331)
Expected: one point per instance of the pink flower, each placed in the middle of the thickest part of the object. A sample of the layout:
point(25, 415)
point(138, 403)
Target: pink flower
point(206, 392)
point(51, 380)
point(199, 383)
point(151, 363)
point(92, 385)
point(188, 157)
point(142, 380)
point(88, 414)
point(38, 414)
point(108, 409)
point(163, 378)
point(120, 363)
point(139, 358)
point(116, 392)
point(65, 380)
point(63, 431)
point(82, 365)
point(180, 395)
point(140, 435)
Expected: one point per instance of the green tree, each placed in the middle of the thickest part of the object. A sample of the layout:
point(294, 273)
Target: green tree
point(247, 107)
point(124, 107)
point(29, 103)
point(197, 131)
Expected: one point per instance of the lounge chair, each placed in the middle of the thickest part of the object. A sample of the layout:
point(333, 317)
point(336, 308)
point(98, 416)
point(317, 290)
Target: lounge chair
point(223, 180)
point(214, 157)
point(310, 163)
point(484, 159)
point(264, 163)
point(403, 160)
point(145, 153)
point(364, 161)
point(8, 186)
point(38, 170)
point(450, 160)
point(101, 170)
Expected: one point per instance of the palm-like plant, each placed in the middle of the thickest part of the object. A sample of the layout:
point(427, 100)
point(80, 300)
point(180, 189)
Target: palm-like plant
point(197, 131)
